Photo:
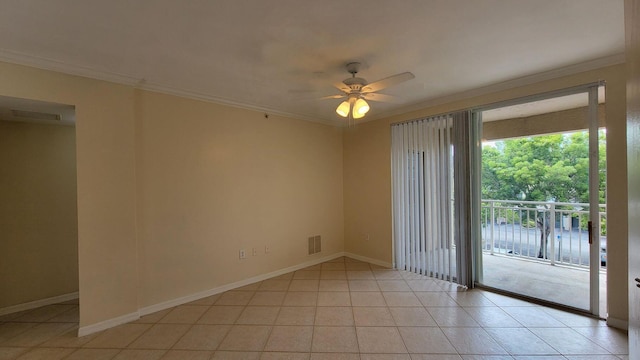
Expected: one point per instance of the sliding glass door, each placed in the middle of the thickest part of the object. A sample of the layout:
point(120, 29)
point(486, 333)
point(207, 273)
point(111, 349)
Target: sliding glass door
point(542, 210)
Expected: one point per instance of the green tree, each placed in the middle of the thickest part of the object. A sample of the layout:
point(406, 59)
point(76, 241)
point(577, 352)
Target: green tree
point(543, 168)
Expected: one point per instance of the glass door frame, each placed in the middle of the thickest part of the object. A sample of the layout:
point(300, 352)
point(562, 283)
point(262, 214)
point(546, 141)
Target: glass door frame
point(476, 163)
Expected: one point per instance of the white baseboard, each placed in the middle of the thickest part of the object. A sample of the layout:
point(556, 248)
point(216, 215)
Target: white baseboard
point(86, 330)
point(220, 289)
point(617, 323)
point(104, 325)
point(369, 260)
point(38, 303)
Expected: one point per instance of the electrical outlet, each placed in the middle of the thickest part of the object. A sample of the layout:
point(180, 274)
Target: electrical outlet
point(254, 252)
point(243, 255)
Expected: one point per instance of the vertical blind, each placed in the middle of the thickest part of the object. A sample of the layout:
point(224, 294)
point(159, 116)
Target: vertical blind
point(424, 155)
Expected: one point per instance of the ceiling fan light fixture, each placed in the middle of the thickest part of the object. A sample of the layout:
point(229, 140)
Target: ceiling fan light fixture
point(343, 109)
point(360, 108)
point(356, 89)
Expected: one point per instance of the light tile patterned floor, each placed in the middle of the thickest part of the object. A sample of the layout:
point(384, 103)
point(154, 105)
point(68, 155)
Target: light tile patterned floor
point(342, 309)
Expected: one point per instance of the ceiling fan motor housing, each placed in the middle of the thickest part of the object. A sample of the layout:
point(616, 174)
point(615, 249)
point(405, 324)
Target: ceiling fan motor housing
point(353, 67)
point(355, 83)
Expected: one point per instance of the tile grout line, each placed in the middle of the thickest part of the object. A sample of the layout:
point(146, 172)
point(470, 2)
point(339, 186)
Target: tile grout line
point(442, 288)
point(190, 327)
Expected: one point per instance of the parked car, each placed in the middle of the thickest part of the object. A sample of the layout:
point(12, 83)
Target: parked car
point(603, 252)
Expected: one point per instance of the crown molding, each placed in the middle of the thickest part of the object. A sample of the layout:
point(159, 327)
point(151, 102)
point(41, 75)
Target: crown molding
point(144, 85)
point(58, 66)
point(82, 71)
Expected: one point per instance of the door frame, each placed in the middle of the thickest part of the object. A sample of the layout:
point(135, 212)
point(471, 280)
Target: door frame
point(593, 126)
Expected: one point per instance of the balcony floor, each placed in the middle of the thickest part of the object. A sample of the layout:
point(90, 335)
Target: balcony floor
point(558, 284)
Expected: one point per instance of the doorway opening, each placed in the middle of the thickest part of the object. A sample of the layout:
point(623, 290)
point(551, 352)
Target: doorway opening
point(39, 222)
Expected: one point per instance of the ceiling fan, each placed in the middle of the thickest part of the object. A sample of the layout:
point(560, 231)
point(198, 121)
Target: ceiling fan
point(357, 91)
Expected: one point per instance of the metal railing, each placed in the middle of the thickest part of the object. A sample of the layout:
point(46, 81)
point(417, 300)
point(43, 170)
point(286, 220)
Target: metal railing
point(551, 232)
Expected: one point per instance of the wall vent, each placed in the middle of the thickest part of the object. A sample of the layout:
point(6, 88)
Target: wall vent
point(35, 115)
point(314, 244)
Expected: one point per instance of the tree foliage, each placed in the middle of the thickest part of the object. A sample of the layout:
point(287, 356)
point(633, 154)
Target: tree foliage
point(543, 168)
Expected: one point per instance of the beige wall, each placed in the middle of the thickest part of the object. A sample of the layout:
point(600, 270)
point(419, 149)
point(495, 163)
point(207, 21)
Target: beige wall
point(367, 190)
point(367, 176)
point(38, 217)
point(213, 180)
point(170, 189)
point(105, 183)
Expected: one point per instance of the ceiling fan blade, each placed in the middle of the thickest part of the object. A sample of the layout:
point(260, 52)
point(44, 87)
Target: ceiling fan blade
point(333, 97)
point(382, 98)
point(390, 81)
point(342, 87)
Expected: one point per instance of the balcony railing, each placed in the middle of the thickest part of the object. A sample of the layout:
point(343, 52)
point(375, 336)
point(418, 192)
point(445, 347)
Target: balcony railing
point(543, 231)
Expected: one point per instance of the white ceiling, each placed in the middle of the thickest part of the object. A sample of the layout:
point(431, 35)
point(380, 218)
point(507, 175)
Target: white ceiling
point(279, 56)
